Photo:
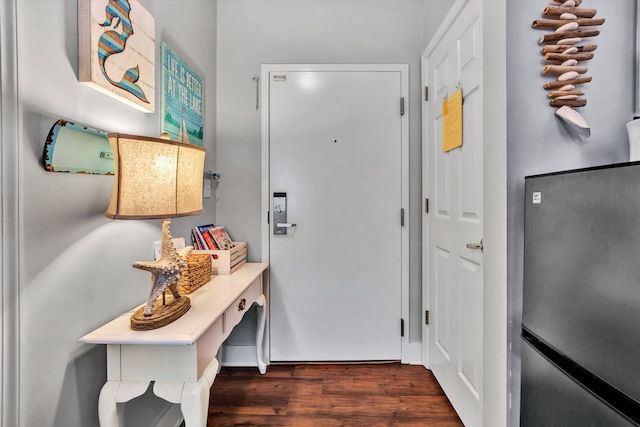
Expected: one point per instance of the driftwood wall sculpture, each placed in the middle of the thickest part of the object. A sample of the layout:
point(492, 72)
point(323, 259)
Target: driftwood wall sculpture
point(565, 52)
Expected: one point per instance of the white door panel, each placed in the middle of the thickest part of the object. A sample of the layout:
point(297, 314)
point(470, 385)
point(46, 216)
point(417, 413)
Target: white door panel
point(442, 316)
point(455, 184)
point(335, 149)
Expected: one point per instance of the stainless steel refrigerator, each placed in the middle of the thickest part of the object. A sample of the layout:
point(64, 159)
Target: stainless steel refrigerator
point(581, 298)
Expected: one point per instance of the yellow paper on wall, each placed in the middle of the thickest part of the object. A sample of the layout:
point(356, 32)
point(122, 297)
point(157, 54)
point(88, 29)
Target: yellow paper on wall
point(452, 122)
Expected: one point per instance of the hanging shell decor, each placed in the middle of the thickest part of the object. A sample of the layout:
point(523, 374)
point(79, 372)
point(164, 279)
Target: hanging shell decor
point(565, 52)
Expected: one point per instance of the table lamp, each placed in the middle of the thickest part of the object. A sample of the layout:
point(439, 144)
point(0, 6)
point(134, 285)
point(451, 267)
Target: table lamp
point(157, 178)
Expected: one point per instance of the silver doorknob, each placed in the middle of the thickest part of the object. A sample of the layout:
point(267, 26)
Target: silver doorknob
point(285, 225)
point(476, 245)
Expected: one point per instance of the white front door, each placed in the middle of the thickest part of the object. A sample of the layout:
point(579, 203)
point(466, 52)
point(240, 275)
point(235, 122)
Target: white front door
point(455, 222)
point(335, 150)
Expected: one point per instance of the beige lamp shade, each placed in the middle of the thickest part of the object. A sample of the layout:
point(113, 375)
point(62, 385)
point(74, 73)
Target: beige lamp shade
point(155, 178)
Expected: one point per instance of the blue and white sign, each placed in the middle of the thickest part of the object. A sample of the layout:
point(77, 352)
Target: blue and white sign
point(182, 99)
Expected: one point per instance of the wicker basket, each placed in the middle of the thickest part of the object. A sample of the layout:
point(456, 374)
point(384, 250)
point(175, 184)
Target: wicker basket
point(196, 273)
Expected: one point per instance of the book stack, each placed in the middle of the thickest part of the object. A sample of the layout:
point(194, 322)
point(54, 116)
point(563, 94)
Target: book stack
point(209, 237)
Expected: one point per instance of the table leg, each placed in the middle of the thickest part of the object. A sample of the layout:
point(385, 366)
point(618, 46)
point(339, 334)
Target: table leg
point(107, 410)
point(195, 403)
point(117, 392)
point(262, 320)
point(194, 397)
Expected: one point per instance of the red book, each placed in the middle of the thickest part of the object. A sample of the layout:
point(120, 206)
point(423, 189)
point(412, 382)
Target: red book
point(211, 244)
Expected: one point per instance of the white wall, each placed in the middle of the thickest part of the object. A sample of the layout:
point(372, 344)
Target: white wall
point(433, 12)
point(539, 143)
point(76, 265)
point(255, 32)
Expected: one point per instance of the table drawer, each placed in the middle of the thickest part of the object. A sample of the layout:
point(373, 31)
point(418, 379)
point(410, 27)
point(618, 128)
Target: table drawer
point(234, 313)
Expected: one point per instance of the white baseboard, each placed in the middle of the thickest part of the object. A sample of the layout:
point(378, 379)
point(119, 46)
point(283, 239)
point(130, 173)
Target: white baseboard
point(412, 353)
point(237, 356)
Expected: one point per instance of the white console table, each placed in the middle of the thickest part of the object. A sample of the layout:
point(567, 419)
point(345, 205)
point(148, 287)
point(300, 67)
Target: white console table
point(180, 357)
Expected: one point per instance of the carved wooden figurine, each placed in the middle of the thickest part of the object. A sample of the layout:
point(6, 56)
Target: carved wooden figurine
point(565, 55)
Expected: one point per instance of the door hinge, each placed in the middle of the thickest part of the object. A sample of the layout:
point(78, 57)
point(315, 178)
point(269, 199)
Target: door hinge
point(426, 317)
point(402, 327)
point(268, 220)
point(402, 106)
point(426, 205)
point(426, 93)
point(402, 217)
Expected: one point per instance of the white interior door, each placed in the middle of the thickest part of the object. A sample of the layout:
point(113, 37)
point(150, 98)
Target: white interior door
point(455, 222)
point(335, 149)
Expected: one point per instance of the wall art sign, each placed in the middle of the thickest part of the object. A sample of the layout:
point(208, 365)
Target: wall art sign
point(116, 50)
point(182, 99)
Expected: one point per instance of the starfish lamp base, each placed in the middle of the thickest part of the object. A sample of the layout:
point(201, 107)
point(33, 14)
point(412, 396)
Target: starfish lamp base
point(162, 314)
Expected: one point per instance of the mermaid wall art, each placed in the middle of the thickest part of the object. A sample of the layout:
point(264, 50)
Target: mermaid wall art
point(116, 50)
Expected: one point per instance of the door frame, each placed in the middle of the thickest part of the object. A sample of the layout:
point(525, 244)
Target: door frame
point(266, 191)
point(10, 184)
point(495, 386)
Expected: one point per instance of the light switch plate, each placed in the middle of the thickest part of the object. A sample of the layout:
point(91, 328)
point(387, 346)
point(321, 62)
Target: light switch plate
point(207, 188)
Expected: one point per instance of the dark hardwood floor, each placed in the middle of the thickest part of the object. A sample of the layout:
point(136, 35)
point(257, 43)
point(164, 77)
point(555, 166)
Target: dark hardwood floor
point(369, 395)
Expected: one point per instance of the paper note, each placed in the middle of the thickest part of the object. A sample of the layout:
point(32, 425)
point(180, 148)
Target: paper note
point(452, 122)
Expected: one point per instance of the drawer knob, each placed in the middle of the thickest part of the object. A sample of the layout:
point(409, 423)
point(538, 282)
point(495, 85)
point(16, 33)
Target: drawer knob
point(242, 304)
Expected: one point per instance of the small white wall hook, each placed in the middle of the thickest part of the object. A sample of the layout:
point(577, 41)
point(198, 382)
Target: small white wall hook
point(257, 80)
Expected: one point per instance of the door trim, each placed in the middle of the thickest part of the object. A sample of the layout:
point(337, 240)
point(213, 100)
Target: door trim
point(10, 183)
point(264, 102)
